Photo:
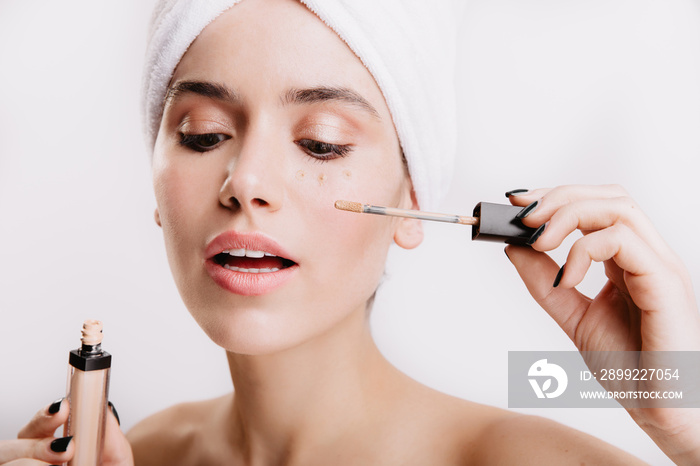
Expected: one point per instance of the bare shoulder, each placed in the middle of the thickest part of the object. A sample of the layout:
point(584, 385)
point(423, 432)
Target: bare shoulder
point(472, 433)
point(170, 436)
point(514, 438)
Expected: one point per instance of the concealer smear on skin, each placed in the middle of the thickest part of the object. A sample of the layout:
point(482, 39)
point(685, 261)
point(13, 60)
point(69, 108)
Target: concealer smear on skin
point(321, 179)
point(300, 175)
point(347, 174)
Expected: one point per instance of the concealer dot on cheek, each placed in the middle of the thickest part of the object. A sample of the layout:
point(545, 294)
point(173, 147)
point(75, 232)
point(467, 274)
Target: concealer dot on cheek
point(347, 174)
point(321, 179)
point(300, 175)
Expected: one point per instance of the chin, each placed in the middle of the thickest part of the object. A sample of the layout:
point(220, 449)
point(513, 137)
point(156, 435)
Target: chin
point(250, 334)
point(254, 331)
point(273, 323)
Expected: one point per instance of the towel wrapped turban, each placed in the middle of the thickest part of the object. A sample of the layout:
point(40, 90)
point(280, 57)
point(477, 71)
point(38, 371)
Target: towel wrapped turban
point(407, 45)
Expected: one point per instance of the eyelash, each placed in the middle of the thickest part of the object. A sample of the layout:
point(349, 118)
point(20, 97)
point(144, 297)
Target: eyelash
point(193, 141)
point(326, 151)
point(329, 151)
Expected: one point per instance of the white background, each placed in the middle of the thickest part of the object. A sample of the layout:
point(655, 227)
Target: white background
point(553, 92)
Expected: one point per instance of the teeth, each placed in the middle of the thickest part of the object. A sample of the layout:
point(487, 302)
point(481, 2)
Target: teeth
point(247, 253)
point(244, 270)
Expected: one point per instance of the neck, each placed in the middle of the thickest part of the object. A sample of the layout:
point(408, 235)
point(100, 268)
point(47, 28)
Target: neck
point(286, 402)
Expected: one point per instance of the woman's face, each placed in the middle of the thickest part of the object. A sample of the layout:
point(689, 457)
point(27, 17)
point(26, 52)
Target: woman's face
point(269, 120)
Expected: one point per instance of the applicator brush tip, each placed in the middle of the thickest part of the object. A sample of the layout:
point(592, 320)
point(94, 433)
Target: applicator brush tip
point(349, 206)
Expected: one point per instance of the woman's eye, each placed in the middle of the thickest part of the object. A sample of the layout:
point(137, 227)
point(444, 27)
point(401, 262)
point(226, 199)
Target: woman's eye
point(323, 150)
point(202, 142)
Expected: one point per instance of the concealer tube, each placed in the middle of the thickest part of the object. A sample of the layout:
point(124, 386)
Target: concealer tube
point(88, 387)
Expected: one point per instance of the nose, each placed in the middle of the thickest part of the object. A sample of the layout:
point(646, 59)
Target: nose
point(254, 180)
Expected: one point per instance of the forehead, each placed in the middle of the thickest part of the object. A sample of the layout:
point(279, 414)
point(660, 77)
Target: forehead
point(269, 46)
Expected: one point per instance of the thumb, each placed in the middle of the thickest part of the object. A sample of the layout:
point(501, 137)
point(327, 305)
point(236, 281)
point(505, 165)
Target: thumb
point(117, 450)
point(538, 271)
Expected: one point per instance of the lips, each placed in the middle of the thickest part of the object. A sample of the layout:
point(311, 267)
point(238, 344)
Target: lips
point(251, 261)
point(248, 264)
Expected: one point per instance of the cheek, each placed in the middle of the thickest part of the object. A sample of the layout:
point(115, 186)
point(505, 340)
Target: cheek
point(356, 242)
point(185, 186)
point(320, 188)
point(173, 195)
point(181, 202)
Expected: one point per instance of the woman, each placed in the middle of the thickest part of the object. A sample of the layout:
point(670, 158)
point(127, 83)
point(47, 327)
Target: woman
point(252, 164)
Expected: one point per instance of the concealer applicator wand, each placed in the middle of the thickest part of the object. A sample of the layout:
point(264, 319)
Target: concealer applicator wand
point(490, 222)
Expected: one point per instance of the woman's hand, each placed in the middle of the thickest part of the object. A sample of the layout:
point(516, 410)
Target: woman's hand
point(36, 445)
point(647, 304)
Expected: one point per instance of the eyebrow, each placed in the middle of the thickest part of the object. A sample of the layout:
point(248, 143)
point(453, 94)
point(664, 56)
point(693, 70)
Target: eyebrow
point(313, 95)
point(325, 94)
point(204, 88)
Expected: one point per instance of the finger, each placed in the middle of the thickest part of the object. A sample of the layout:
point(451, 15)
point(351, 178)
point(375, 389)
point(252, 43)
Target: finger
point(540, 204)
point(111, 407)
point(658, 289)
point(117, 450)
point(653, 286)
point(565, 194)
point(594, 214)
point(50, 450)
point(538, 271)
point(523, 197)
point(555, 199)
point(569, 193)
point(635, 257)
point(616, 275)
point(46, 421)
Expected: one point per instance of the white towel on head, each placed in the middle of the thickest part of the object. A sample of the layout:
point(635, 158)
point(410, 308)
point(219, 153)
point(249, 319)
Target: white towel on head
point(409, 47)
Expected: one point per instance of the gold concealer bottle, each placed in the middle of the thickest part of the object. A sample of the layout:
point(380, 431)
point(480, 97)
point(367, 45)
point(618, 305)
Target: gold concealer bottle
point(88, 387)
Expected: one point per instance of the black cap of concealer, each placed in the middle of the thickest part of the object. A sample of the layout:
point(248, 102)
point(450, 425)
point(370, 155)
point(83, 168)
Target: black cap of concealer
point(497, 223)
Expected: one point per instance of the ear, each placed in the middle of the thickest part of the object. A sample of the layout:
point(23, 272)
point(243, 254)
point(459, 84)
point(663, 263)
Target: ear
point(409, 232)
point(156, 217)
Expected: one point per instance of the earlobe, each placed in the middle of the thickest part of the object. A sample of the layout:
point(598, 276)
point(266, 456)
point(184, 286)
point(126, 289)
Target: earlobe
point(409, 233)
point(156, 217)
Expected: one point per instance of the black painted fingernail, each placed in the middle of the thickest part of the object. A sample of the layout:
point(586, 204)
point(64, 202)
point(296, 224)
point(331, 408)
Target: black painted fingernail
point(527, 210)
point(558, 277)
point(55, 406)
point(536, 234)
point(516, 192)
point(114, 411)
point(61, 444)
